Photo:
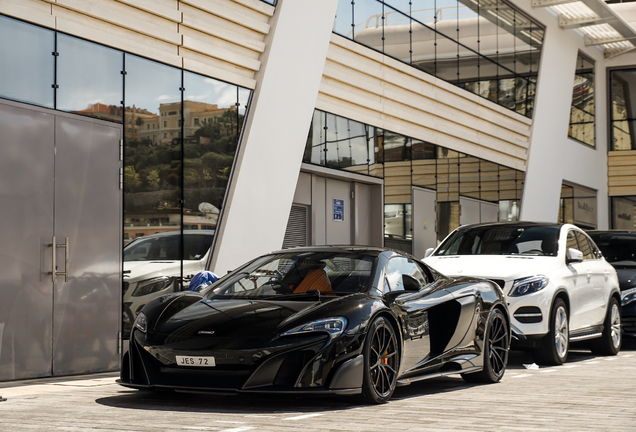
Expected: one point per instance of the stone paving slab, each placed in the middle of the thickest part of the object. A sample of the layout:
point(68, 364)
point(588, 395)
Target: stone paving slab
point(588, 393)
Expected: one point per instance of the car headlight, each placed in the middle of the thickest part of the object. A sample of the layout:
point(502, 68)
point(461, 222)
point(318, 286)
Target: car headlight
point(528, 285)
point(333, 326)
point(628, 296)
point(141, 322)
point(150, 286)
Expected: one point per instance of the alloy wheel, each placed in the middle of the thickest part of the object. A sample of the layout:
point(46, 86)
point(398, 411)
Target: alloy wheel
point(498, 344)
point(561, 332)
point(616, 325)
point(383, 360)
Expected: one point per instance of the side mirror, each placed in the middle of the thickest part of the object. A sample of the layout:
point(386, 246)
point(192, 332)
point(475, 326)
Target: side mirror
point(428, 252)
point(573, 256)
point(410, 283)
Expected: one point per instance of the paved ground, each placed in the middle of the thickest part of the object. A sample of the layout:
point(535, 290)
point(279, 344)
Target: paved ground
point(587, 394)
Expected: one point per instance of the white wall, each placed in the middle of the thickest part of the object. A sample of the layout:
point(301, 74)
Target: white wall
point(273, 142)
point(554, 157)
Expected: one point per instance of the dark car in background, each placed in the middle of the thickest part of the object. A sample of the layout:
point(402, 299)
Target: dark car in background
point(619, 249)
point(321, 320)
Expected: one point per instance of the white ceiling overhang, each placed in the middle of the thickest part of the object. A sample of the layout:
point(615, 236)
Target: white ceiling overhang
point(600, 25)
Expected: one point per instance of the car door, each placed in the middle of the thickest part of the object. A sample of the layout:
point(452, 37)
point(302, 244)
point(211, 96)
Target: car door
point(579, 286)
point(598, 269)
point(413, 308)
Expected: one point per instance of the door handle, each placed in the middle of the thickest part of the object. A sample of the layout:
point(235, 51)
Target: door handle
point(53, 269)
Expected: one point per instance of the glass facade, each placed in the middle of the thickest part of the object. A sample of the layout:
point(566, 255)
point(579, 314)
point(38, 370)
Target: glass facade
point(484, 46)
point(403, 162)
point(623, 112)
point(180, 138)
point(582, 112)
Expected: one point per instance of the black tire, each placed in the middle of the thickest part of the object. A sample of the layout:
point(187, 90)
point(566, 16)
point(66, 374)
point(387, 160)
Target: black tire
point(553, 350)
point(381, 362)
point(495, 351)
point(611, 340)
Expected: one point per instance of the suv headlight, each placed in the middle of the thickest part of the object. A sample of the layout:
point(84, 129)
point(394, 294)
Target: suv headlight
point(153, 285)
point(528, 285)
point(141, 322)
point(628, 296)
point(333, 326)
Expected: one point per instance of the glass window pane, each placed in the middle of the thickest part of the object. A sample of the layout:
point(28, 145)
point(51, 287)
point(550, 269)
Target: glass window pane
point(89, 78)
point(212, 122)
point(27, 62)
point(152, 152)
point(369, 23)
point(423, 47)
point(343, 24)
point(582, 112)
point(397, 34)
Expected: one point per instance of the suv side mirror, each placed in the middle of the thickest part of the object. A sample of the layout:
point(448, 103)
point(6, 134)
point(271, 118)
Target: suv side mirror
point(573, 256)
point(410, 283)
point(428, 252)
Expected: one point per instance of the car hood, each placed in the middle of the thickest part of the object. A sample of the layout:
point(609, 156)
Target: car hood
point(185, 319)
point(626, 278)
point(505, 267)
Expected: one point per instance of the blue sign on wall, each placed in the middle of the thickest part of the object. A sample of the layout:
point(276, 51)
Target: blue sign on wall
point(338, 210)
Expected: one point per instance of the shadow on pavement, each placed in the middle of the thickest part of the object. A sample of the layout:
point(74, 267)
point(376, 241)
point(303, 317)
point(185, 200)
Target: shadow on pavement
point(294, 404)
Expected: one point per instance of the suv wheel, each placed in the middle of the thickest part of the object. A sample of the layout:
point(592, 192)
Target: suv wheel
point(610, 342)
point(554, 346)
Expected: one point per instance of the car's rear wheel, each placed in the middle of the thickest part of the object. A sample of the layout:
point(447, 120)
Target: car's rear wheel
point(554, 346)
point(382, 360)
point(610, 341)
point(495, 351)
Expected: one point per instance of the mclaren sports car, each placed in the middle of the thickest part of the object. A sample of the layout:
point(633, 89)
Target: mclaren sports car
point(323, 320)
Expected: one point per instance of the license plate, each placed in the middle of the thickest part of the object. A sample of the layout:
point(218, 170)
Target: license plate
point(195, 361)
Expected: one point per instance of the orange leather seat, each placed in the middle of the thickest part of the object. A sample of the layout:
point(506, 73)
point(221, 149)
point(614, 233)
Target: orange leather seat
point(316, 279)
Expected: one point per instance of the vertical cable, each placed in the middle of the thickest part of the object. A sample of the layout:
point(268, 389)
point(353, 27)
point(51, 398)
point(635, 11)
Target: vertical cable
point(182, 181)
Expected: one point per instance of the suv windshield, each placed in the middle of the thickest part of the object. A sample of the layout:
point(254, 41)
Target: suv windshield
point(298, 276)
point(618, 249)
point(168, 248)
point(502, 240)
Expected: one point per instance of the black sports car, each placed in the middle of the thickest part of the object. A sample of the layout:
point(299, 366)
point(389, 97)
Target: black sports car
point(339, 320)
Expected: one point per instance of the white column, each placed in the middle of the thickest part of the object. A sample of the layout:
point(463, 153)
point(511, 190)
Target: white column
point(270, 153)
point(553, 157)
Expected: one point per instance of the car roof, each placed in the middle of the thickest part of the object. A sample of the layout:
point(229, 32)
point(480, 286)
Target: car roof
point(520, 224)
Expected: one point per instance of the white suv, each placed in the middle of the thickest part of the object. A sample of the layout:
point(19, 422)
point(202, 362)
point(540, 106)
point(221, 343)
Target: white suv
point(558, 286)
point(152, 267)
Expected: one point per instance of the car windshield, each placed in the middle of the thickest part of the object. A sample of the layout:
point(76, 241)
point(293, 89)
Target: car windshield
point(168, 248)
point(502, 240)
point(618, 249)
point(293, 276)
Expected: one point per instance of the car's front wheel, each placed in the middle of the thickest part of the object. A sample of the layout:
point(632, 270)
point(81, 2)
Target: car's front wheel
point(554, 346)
point(610, 341)
point(495, 351)
point(382, 360)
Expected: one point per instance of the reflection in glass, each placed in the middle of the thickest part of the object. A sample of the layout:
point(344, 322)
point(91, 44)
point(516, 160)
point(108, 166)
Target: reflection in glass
point(368, 16)
point(89, 79)
point(405, 162)
point(492, 50)
point(623, 94)
point(582, 112)
point(343, 24)
point(28, 50)
point(211, 124)
point(152, 160)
